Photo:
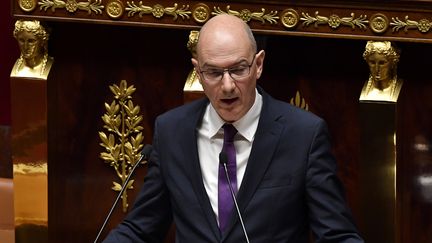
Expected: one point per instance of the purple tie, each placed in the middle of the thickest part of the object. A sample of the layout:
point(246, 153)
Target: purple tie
point(225, 201)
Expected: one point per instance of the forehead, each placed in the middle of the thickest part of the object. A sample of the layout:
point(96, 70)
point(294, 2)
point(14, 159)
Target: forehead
point(26, 35)
point(378, 57)
point(224, 54)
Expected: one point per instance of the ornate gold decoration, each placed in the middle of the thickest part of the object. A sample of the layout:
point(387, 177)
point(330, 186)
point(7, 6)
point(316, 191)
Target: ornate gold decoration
point(192, 42)
point(158, 10)
point(246, 15)
point(115, 9)
point(299, 101)
point(72, 5)
point(334, 21)
point(422, 25)
point(383, 83)
point(34, 61)
point(124, 140)
point(379, 23)
point(289, 18)
point(192, 80)
point(19, 65)
point(201, 12)
point(27, 5)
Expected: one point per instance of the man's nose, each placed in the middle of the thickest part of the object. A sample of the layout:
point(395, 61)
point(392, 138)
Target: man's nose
point(228, 83)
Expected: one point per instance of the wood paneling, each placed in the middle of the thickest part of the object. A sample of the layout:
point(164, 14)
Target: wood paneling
point(156, 62)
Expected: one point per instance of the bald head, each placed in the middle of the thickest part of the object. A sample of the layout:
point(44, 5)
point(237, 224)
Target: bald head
point(223, 30)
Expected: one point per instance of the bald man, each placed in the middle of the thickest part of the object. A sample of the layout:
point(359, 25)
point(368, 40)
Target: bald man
point(278, 159)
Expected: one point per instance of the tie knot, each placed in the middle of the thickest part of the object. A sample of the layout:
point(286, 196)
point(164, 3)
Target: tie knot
point(229, 132)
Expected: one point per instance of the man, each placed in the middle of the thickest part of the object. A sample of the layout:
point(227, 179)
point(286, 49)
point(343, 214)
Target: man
point(284, 176)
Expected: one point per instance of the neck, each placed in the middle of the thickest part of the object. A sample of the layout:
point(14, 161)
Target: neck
point(383, 84)
point(33, 62)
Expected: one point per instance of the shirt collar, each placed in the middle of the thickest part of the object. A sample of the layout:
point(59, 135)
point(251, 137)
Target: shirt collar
point(246, 126)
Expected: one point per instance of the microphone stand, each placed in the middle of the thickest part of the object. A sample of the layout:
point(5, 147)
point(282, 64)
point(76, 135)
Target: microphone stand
point(223, 159)
point(144, 154)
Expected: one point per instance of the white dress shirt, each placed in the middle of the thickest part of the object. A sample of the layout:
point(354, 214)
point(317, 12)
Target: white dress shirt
point(210, 142)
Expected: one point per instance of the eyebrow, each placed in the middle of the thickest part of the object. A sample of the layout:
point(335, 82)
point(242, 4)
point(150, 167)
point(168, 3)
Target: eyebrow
point(243, 61)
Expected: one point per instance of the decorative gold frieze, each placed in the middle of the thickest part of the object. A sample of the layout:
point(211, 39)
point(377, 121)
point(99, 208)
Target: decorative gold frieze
point(115, 9)
point(289, 18)
point(124, 139)
point(27, 5)
point(299, 101)
point(72, 5)
point(423, 25)
point(158, 10)
point(246, 15)
point(201, 13)
point(334, 21)
point(379, 23)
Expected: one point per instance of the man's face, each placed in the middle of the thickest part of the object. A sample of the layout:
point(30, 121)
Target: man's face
point(379, 67)
point(233, 75)
point(29, 45)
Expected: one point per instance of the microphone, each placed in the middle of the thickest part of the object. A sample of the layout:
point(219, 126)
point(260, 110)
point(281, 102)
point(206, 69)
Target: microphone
point(223, 159)
point(145, 153)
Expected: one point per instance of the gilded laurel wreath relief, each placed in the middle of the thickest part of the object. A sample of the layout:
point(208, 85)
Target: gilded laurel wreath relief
point(123, 139)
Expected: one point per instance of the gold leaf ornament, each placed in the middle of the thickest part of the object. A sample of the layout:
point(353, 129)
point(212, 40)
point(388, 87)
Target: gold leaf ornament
point(123, 139)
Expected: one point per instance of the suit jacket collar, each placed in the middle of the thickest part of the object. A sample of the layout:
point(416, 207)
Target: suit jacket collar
point(188, 144)
point(266, 139)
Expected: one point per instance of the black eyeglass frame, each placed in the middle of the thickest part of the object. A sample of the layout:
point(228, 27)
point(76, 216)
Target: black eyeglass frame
point(222, 72)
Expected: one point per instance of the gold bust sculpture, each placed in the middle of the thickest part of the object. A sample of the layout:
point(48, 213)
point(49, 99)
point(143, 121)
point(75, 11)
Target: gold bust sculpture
point(383, 85)
point(192, 81)
point(32, 39)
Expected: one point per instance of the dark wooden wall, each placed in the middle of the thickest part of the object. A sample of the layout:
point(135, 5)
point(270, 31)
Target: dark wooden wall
point(9, 52)
point(329, 74)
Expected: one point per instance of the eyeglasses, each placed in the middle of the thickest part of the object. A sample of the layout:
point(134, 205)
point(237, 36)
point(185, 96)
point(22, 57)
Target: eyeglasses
point(215, 75)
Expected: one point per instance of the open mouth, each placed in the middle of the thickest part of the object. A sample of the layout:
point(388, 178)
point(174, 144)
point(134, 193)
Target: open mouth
point(229, 101)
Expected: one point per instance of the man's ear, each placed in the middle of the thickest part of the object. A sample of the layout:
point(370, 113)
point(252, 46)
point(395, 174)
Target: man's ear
point(194, 62)
point(259, 63)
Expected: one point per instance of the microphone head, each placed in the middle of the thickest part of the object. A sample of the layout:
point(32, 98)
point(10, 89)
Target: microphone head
point(223, 157)
point(146, 151)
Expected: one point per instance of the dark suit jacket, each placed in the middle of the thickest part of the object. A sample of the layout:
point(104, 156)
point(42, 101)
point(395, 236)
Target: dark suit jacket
point(290, 184)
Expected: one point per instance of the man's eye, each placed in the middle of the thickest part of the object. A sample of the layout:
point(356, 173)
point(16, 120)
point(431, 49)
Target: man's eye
point(214, 72)
point(238, 70)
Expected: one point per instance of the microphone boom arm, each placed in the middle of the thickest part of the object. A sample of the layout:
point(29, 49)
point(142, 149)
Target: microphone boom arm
point(223, 160)
point(144, 155)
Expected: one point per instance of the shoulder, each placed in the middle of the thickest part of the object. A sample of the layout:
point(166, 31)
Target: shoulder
point(186, 111)
point(284, 111)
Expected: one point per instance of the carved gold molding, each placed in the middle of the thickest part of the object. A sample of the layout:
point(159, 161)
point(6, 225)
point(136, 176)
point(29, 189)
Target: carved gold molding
point(158, 10)
point(200, 12)
point(246, 15)
point(72, 5)
point(27, 5)
point(379, 23)
point(290, 18)
point(334, 21)
point(115, 9)
point(423, 25)
point(124, 139)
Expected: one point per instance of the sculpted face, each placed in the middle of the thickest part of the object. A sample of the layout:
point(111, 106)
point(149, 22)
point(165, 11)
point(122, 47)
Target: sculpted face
point(379, 67)
point(225, 45)
point(29, 44)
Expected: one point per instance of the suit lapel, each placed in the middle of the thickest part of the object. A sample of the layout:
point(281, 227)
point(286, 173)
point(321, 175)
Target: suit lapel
point(265, 142)
point(189, 148)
